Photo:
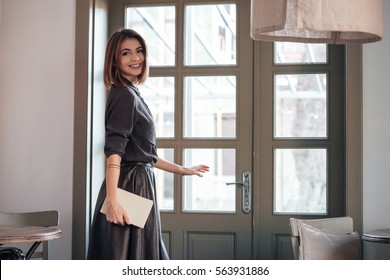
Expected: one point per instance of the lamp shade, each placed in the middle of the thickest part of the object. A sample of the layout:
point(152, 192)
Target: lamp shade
point(317, 21)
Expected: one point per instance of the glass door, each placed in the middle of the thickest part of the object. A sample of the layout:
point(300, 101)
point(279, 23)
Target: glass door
point(299, 139)
point(200, 92)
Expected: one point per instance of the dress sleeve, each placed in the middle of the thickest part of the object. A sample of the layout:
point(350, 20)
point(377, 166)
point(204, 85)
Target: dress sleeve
point(120, 120)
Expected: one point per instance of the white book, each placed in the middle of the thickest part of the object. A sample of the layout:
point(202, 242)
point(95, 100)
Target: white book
point(136, 207)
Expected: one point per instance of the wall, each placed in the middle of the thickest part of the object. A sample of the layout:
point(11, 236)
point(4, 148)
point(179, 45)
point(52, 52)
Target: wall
point(376, 130)
point(37, 45)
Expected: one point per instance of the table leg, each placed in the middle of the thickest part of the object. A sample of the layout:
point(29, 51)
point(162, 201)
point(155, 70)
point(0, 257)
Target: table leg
point(32, 249)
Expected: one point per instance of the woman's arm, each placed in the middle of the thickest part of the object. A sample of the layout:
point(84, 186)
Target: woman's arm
point(181, 170)
point(115, 213)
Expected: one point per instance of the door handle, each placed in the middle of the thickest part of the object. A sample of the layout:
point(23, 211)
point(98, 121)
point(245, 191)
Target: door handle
point(246, 185)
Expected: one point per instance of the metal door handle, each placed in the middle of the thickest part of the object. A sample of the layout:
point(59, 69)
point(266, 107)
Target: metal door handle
point(246, 185)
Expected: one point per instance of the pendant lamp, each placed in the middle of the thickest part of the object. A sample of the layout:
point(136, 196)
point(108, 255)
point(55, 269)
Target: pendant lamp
point(317, 21)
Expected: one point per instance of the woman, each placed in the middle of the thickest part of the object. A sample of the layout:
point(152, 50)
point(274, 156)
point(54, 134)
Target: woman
point(131, 153)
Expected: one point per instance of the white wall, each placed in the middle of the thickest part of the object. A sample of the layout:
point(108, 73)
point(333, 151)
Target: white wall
point(376, 130)
point(37, 46)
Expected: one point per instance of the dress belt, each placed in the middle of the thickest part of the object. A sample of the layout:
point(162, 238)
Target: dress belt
point(140, 163)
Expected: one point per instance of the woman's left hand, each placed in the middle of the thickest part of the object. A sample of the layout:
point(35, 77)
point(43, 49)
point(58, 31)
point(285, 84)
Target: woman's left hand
point(196, 170)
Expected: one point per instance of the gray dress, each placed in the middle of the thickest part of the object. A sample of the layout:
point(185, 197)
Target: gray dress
point(130, 133)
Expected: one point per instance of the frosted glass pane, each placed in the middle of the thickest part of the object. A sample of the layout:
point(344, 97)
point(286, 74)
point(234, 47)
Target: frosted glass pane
point(299, 53)
point(210, 193)
point(210, 107)
point(300, 106)
point(210, 34)
point(300, 181)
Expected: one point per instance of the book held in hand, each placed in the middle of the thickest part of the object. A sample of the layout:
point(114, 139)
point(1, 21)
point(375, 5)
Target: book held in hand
point(136, 207)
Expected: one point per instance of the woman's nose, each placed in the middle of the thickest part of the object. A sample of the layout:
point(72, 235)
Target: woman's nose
point(134, 57)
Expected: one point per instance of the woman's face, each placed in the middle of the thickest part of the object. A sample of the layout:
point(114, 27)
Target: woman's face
point(131, 59)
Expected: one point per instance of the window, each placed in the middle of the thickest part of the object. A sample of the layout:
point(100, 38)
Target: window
point(301, 120)
point(192, 92)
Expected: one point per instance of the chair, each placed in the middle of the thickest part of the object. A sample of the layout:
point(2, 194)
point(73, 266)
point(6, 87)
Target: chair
point(330, 238)
point(42, 219)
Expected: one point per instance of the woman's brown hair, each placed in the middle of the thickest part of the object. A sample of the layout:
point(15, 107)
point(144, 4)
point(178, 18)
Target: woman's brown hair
point(112, 75)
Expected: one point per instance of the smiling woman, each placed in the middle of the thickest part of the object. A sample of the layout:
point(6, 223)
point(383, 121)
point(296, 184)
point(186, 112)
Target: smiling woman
point(131, 155)
point(131, 59)
point(125, 50)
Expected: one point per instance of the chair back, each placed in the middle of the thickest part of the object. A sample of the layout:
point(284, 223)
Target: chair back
point(339, 225)
point(41, 218)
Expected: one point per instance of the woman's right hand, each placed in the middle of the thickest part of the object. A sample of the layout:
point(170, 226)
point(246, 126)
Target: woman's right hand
point(116, 214)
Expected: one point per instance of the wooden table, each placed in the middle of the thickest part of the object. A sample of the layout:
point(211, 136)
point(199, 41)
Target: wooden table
point(28, 234)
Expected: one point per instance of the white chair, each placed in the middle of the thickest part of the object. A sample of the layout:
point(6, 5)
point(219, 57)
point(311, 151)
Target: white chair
point(42, 219)
point(330, 238)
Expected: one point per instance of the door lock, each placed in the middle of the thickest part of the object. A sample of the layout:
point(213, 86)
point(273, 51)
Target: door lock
point(246, 185)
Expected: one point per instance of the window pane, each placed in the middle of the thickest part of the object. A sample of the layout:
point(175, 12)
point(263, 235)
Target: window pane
point(210, 193)
point(159, 94)
point(210, 106)
point(300, 182)
point(299, 53)
point(157, 26)
point(210, 34)
point(164, 182)
point(300, 106)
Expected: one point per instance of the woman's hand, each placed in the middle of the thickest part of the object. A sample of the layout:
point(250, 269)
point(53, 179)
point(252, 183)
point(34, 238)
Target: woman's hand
point(181, 170)
point(116, 214)
point(196, 170)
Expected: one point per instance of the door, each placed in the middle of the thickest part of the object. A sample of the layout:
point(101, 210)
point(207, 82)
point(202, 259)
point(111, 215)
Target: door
point(299, 139)
point(200, 92)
